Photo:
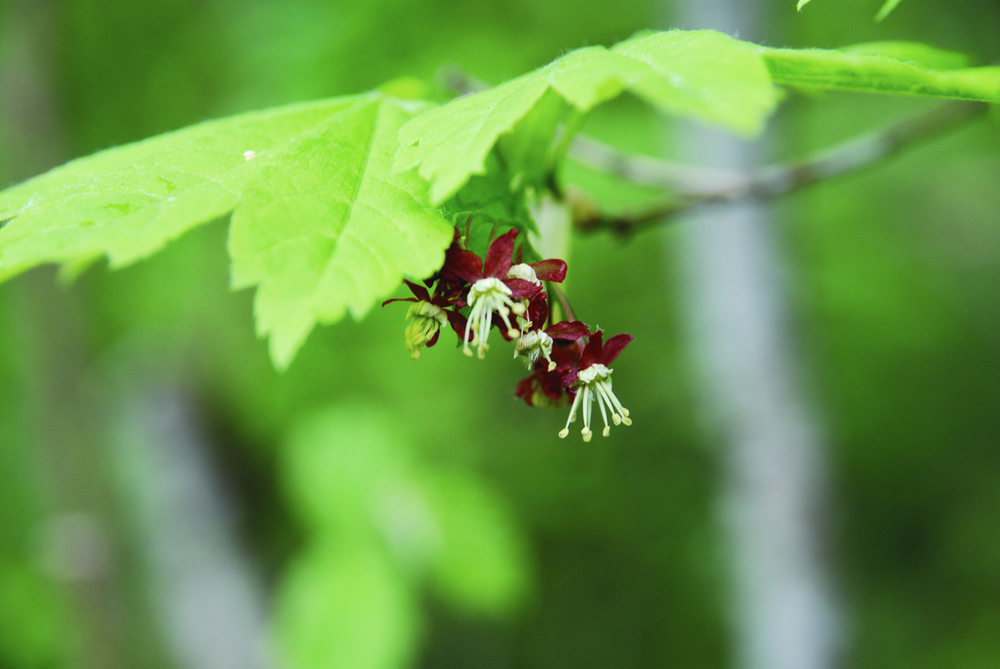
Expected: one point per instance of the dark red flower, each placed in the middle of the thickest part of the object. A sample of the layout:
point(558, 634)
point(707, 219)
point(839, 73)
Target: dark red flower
point(593, 381)
point(598, 353)
point(498, 289)
point(426, 317)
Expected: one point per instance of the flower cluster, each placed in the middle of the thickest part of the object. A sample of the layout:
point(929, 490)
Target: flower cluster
point(569, 363)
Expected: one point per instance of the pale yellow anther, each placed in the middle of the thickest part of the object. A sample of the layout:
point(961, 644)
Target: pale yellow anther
point(424, 320)
point(595, 381)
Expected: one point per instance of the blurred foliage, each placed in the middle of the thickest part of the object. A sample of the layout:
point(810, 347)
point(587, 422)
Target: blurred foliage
point(33, 625)
point(894, 275)
point(382, 524)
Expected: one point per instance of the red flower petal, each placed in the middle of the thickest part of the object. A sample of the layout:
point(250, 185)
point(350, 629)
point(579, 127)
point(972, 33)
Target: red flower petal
point(418, 290)
point(550, 270)
point(498, 256)
point(566, 354)
point(457, 322)
point(568, 330)
point(592, 354)
point(434, 339)
point(463, 264)
point(525, 389)
point(615, 346)
point(521, 288)
point(538, 311)
point(400, 299)
point(551, 384)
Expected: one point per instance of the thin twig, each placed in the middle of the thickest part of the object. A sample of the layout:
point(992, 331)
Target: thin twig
point(690, 180)
point(564, 303)
point(863, 151)
point(693, 186)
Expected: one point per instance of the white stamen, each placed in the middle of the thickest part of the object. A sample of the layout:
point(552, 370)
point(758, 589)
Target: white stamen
point(595, 382)
point(572, 415)
point(534, 345)
point(485, 297)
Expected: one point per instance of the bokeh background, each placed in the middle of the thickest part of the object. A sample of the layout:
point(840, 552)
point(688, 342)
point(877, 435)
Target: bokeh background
point(168, 500)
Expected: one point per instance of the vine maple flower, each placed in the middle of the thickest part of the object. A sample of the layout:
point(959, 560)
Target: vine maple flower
point(537, 343)
point(593, 380)
point(553, 379)
point(492, 292)
point(426, 316)
point(545, 270)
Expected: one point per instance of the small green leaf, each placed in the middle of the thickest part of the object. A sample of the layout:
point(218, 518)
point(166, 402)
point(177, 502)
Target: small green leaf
point(345, 605)
point(320, 223)
point(702, 74)
point(482, 565)
point(335, 459)
point(450, 143)
point(880, 73)
point(886, 9)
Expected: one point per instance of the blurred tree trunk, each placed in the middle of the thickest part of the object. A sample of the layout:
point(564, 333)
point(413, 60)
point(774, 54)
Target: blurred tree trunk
point(76, 545)
point(736, 308)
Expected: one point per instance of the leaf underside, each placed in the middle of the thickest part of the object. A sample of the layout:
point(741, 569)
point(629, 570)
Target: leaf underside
point(319, 222)
point(881, 68)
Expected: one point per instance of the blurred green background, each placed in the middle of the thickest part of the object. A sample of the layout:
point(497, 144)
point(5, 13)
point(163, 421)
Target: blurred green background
point(168, 500)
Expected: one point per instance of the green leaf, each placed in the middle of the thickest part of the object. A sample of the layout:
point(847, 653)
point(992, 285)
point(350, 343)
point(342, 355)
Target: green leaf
point(913, 53)
point(702, 74)
point(880, 72)
point(886, 9)
point(319, 221)
point(350, 474)
point(802, 3)
point(482, 565)
point(345, 606)
point(336, 458)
